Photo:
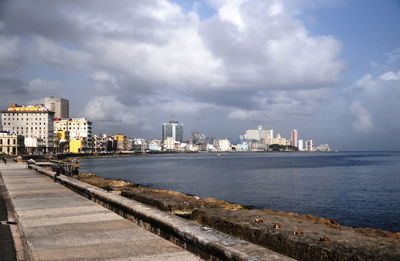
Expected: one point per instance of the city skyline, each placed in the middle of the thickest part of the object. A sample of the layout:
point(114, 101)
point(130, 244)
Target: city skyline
point(330, 69)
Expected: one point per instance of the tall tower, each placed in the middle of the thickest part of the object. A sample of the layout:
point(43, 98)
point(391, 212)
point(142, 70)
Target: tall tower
point(294, 138)
point(59, 106)
point(172, 129)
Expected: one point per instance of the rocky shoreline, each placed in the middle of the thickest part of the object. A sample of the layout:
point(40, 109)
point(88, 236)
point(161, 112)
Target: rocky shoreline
point(303, 237)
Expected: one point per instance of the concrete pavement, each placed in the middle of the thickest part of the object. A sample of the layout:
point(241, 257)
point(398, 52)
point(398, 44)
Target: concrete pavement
point(59, 224)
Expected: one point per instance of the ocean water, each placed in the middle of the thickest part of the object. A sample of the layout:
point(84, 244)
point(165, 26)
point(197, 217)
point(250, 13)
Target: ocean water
point(354, 188)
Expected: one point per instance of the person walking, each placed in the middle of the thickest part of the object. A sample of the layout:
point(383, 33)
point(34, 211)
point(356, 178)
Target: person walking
point(5, 160)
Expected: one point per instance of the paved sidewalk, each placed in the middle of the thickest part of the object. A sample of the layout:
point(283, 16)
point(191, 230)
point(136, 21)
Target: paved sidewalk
point(62, 225)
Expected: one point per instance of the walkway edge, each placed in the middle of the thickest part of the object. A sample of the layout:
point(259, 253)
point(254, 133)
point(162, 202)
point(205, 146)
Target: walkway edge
point(20, 244)
point(204, 241)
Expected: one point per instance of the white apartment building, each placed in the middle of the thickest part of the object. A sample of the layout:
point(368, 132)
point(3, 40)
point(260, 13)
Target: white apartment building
point(35, 123)
point(79, 129)
point(259, 134)
point(301, 146)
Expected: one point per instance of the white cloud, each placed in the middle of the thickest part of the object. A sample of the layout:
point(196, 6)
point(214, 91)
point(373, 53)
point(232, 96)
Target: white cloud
point(390, 76)
point(363, 118)
point(107, 109)
point(56, 54)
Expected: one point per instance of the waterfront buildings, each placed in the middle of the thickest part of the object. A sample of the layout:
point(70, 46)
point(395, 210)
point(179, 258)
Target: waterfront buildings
point(61, 141)
point(309, 145)
point(79, 129)
point(224, 145)
point(301, 145)
point(294, 138)
point(155, 145)
point(323, 148)
point(169, 144)
point(59, 106)
point(258, 135)
point(11, 144)
point(122, 142)
point(172, 129)
point(34, 123)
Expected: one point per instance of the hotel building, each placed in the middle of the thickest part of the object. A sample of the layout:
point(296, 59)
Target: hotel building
point(35, 123)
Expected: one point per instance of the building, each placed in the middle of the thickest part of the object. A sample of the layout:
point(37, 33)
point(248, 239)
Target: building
point(172, 129)
point(34, 123)
point(79, 129)
point(294, 138)
point(224, 145)
point(301, 146)
point(61, 141)
point(59, 106)
point(323, 148)
point(11, 144)
point(309, 145)
point(169, 144)
point(258, 135)
point(122, 142)
point(76, 146)
point(280, 140)
point(155, 145)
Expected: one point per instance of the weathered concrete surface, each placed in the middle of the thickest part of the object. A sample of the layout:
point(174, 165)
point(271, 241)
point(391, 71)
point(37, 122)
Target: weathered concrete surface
point(204, 241)
point(316, 239)
point(59, 224)
point(12, 245)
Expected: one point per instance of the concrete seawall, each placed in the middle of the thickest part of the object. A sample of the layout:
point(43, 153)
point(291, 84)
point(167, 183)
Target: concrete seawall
point(206, 242)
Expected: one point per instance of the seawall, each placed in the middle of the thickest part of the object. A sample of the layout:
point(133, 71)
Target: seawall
point(206, 242)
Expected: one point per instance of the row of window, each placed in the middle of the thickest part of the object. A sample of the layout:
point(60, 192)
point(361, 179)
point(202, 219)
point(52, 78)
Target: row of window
point(8, 142)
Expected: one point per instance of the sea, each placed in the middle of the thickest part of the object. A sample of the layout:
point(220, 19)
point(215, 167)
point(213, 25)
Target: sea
point(358, 189)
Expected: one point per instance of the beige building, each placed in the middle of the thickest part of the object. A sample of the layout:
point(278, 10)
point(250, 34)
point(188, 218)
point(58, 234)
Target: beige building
point(79, 129)
point(59, 106)
point(34, 123)
point(11, 144)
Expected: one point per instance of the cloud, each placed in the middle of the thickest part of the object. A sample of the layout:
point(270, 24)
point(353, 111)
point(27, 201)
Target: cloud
point(251, 60)
point(363, 120)
point(390, 76)
point(107, 109)
point(9, 52)
point(374, 101)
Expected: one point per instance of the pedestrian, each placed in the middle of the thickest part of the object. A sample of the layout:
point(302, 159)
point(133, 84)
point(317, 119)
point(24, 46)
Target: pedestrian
point(5, 160)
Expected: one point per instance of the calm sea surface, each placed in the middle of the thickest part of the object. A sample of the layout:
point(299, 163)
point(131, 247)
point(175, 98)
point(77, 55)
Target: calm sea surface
point(354, 188)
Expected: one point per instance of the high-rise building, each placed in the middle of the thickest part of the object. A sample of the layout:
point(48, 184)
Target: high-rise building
point(172, 129)
point(301, 146)
point(309, 145)
point(59, 106)
point(294, 138)
point(35, 123)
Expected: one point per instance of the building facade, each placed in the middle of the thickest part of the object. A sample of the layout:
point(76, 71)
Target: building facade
point(34, 123)
point(259, 135)
point(11, 144)
point(295, 138)
point(59, 106)
point(301, 145)
point(79, 129)
point(122, 142)
point(172, 129)
point(309, 145)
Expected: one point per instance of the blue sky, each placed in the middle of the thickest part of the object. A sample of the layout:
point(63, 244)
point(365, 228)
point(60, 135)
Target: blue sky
point(330, 69)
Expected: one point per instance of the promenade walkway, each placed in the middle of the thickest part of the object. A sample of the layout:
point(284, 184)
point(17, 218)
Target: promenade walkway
point(59, 224)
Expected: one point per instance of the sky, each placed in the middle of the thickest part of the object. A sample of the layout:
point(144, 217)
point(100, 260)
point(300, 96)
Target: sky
point(328, 68)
